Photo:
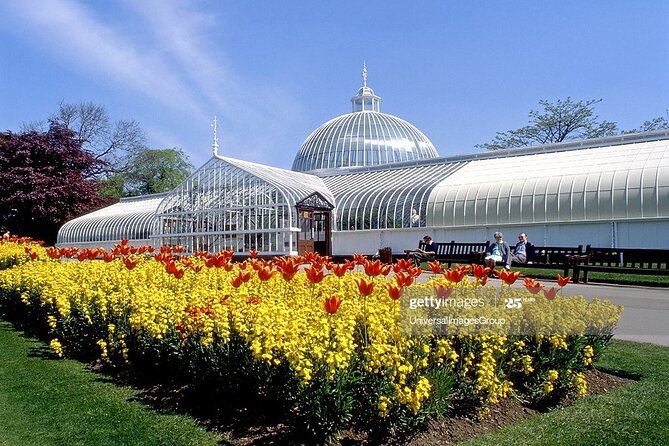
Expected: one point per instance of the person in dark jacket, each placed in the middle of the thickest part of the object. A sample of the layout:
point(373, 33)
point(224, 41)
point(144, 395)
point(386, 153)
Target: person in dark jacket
point(423, 255)
point(497, 252)
point(523, 251)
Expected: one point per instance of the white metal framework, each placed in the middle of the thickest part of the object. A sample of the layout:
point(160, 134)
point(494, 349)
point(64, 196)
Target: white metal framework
point(385, 198)
point(613, 182)
point(131, 218)
point(364, 137)
point(238, 205)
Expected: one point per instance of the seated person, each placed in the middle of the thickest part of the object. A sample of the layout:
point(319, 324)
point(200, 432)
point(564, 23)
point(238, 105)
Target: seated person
point(497, 252)
point(423, 255)
point(523, 251)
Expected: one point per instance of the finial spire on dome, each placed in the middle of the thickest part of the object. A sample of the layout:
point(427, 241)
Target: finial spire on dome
point(364, 74)
point(365, 100)
point(215, 144)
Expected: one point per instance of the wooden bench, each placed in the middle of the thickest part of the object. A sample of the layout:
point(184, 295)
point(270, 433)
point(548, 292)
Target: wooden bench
point(621, 261)
point(551, 257)
point(456, 252)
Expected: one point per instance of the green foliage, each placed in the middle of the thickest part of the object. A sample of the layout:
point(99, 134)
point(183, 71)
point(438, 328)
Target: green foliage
point(149, 171)
point(559, 121)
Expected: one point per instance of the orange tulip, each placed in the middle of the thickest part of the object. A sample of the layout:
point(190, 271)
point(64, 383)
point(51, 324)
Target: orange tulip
point(374, 268)
point(265, 273)
point(533, 286)
point(289, 269)
point(563, 281)
point(415, 271)
point(242, 277)
point(435, 266)
point(402, 265)
point(403, 279)
point(480, 272)
point(454, 276)
point(395, 292)
point(483, 281)
point(443, 292)
point(332, 304)
point(253, 253)
point(508, 277)
point(365, 288)
point(551, 293)
point(359, 259)
point(129, 263)
point(340, 269)
point(314, 274)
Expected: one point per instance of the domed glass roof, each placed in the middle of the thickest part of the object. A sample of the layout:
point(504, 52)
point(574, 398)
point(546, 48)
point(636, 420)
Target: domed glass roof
point(365, 137)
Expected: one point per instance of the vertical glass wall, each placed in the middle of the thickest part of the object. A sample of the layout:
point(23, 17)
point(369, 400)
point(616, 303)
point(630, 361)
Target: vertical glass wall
point(223, 207)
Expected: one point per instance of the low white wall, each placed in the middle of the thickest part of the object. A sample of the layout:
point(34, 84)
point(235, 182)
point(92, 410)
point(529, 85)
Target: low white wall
point(629, 234)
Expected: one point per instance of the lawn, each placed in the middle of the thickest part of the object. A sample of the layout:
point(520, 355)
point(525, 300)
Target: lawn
point(635, 414)
point(59, 402)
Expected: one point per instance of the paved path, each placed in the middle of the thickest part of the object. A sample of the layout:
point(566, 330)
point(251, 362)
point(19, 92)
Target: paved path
point(645, 317)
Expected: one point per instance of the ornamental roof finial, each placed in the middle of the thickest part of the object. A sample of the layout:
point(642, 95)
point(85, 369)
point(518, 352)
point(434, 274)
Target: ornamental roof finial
point(215, 144)
point(364, 74)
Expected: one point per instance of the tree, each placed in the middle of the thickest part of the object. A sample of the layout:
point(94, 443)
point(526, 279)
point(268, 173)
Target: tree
point(560, 121)
point(152, 171)
point(659, 123)
point(46, 178)
point(114, 143)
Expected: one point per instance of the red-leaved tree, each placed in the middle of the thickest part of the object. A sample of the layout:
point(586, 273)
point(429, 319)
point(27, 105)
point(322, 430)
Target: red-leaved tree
point(46, 179)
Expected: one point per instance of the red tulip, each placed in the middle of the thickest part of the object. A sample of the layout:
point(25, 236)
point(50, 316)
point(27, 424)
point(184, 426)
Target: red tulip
point(359, 259)
point(443, 292)
point(508, 277)
point(129, 263)
point(243, 276)
point(402, 265)
point(563, 281)
point(551, 293)
point(365, 288)
point(483, 281)
point(332, 304)
point(533, 286)
point(374, 268)
point(340, 269)
point(289, 269)
point(265, 273)
point(314, 274)
point(480, 272)
point(403, 279)
point(395, 292)
point(253, 253)
point(435, 266)
point(454, 276)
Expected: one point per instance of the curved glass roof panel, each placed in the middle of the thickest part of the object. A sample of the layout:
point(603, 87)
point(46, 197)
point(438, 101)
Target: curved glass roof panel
point(364, 138)
point(624, 181)
point(385, 197)
point(238, 205)
point(131, 218)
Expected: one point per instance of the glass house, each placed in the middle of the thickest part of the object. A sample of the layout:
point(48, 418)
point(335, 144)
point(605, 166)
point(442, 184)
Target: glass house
point(366, 180)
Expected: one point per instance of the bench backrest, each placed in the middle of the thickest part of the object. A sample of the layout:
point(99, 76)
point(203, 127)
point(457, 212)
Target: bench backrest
point(455, 250)
point(554, 255)
point(629, 257)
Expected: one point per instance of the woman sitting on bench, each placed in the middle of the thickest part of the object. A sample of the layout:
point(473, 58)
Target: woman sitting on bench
point(497, 252)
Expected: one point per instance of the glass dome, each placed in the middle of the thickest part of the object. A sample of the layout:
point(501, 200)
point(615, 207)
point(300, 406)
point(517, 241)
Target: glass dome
point(365, 137)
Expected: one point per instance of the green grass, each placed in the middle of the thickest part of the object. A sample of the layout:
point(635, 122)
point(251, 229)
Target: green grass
point(59, 402)
point(622, 279)
point(635, 414)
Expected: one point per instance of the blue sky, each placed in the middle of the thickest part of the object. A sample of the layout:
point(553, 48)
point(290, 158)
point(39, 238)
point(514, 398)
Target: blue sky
point(274, 71)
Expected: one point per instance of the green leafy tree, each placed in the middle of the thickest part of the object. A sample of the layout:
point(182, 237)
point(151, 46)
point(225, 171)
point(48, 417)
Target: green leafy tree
point(152, 171)
point(559, 121)
point(659, 123)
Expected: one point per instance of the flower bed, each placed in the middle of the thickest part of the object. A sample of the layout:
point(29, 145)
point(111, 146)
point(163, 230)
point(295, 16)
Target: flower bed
point(324, 345)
